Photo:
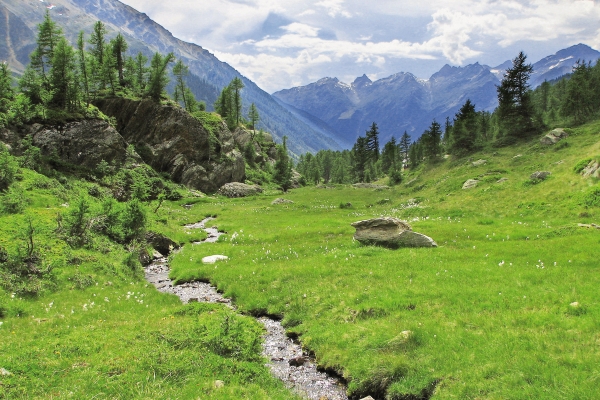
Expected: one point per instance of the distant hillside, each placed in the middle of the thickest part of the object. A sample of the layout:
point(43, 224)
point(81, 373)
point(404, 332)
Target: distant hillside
point(402, 102)
point(19, 18)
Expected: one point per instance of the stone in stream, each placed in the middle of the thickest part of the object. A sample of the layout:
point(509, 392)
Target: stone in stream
point(214, 259)
point(390, 232)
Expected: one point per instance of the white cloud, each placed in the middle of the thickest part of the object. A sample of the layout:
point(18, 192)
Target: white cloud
point(330, 37)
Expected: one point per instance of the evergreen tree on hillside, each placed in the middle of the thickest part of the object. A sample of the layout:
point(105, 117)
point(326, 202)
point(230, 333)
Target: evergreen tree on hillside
point(158, 79)
point(373, 142)
point(83, 66)
point(464, 131)
point(404, 145)
point(253, 117)
point(431, 141)
point(119, 46)
point(97, 50)
point(63, 77)
point(49, 34)
point(7, 93)
point(282, 174)
point(360, 158)
point(236, 86)
point(182, 92)
point(580, 99)
point(515, 109)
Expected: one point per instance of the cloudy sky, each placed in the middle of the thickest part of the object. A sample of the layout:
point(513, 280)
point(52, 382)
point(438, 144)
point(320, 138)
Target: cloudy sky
point(284, 43)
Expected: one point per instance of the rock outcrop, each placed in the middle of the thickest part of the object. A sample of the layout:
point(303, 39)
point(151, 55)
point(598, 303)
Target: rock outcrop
point(279, 200)
point(470, 183)
point(172, 141)
point(540, 175)
point(554, 136)
point(479, 163)
point(390, 232)
point(161, 243)
point(264, 146)
point(591, 170)
point(85, 143)
point(237, 189)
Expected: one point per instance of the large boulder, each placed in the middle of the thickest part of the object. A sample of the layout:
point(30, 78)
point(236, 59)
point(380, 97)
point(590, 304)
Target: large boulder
point(161, 243)
point(171, 140)
point(553, 137)
point(470, 183)
point(85, 143)
point(591, 170)
point(390, 232)
point(237, 189)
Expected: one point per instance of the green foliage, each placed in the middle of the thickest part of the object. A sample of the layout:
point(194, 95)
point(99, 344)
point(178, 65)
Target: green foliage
point(13, 201)
point(158, 78)
point(133, 220)
point(282, 171)
point(591, 198)
point(8, 168)
point(580, 166)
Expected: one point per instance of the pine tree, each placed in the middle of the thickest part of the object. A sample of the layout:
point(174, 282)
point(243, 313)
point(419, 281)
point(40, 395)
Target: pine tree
point(431, 140)
point(119, 46)
point(373, 142)
point(404, 145)
point(283, 167)
point(237, 85)
point(7, 93)
point(97, 40)
point(389, 156)
point(158, 75)
point(577, 102)
point(360, 157)
point(62, 76)
point(49, 34)
point(253, 117)
point(515, 109)
point(83, 66)
point(464, 130)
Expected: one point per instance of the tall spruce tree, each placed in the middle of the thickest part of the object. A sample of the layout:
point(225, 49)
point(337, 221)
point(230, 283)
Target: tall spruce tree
point(63, 77)
point(236, 86)
point(282, 174)
point(373, 142)
point(119, 46)
point(158, 75)
point(515, 109)
point(431, 140)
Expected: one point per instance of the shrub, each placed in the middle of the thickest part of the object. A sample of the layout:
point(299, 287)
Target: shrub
point(8, 168)
point(592, 198)
point(14, 201)
point(133, 220)
point(581, 165)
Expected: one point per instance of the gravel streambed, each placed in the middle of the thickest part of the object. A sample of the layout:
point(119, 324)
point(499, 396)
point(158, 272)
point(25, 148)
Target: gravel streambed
point(286, 359)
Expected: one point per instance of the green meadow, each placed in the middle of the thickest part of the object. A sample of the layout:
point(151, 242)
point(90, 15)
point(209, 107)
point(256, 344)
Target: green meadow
point(505, 308)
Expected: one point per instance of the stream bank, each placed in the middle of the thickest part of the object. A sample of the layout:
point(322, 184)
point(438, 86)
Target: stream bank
point(287, 361)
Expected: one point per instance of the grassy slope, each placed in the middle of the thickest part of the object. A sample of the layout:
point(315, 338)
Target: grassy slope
point(104, 333)
point(489, 310)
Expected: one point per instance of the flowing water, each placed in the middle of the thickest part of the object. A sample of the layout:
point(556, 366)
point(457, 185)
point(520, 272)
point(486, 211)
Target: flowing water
point(286, 358)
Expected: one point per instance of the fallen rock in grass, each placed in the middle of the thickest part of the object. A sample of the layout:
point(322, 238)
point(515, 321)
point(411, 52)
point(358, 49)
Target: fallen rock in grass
point(370, 186)
point(540, 175)
point(160, 243)
point(479, 163)
point(238, 189)
point(471, 183)
point(589, 226)
point(4, 372)
point(501, 180)
point(219, 384)
point(554, 137)
point(390, 232)
point(281, 201)
point(592, 170)
point(214, 259)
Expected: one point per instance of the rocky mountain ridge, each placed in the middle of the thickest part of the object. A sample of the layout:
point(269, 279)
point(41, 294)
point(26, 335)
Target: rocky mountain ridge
point(402, 102)
point(19, 18)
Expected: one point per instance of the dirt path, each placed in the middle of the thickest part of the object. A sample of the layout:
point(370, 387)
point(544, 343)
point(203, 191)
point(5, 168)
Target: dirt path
point(286, 359)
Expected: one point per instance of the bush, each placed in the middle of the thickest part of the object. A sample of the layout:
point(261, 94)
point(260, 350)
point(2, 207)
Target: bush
point(133, 220)
point(592, 198)
point(8, 168)
point(14, 201)
point(581, 165)
point(395, 178)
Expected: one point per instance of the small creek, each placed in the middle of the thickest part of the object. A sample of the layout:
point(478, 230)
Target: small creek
point(286, 359)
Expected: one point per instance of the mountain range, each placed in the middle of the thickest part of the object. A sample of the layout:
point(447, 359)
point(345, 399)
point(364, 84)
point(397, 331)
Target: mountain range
point(327, 114)
point(402, 102)
point(208, 75)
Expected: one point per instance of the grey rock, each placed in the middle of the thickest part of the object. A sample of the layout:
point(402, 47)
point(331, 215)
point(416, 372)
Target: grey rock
point(479, 163)
point(214, 259)
point(390, 232)
point(501, 180)
point(370, 186)
point(161, 243)
point(4, 372)
point(471, 183)
point(84, 143)
point(238, 189)
point(172, 141)
point(554, 136)
point(540, 175)
point(592, 170)
point(282, 201)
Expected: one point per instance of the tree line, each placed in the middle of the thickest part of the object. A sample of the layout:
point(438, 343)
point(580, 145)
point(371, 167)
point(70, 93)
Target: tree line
point(521, 114)
point(63, 79)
